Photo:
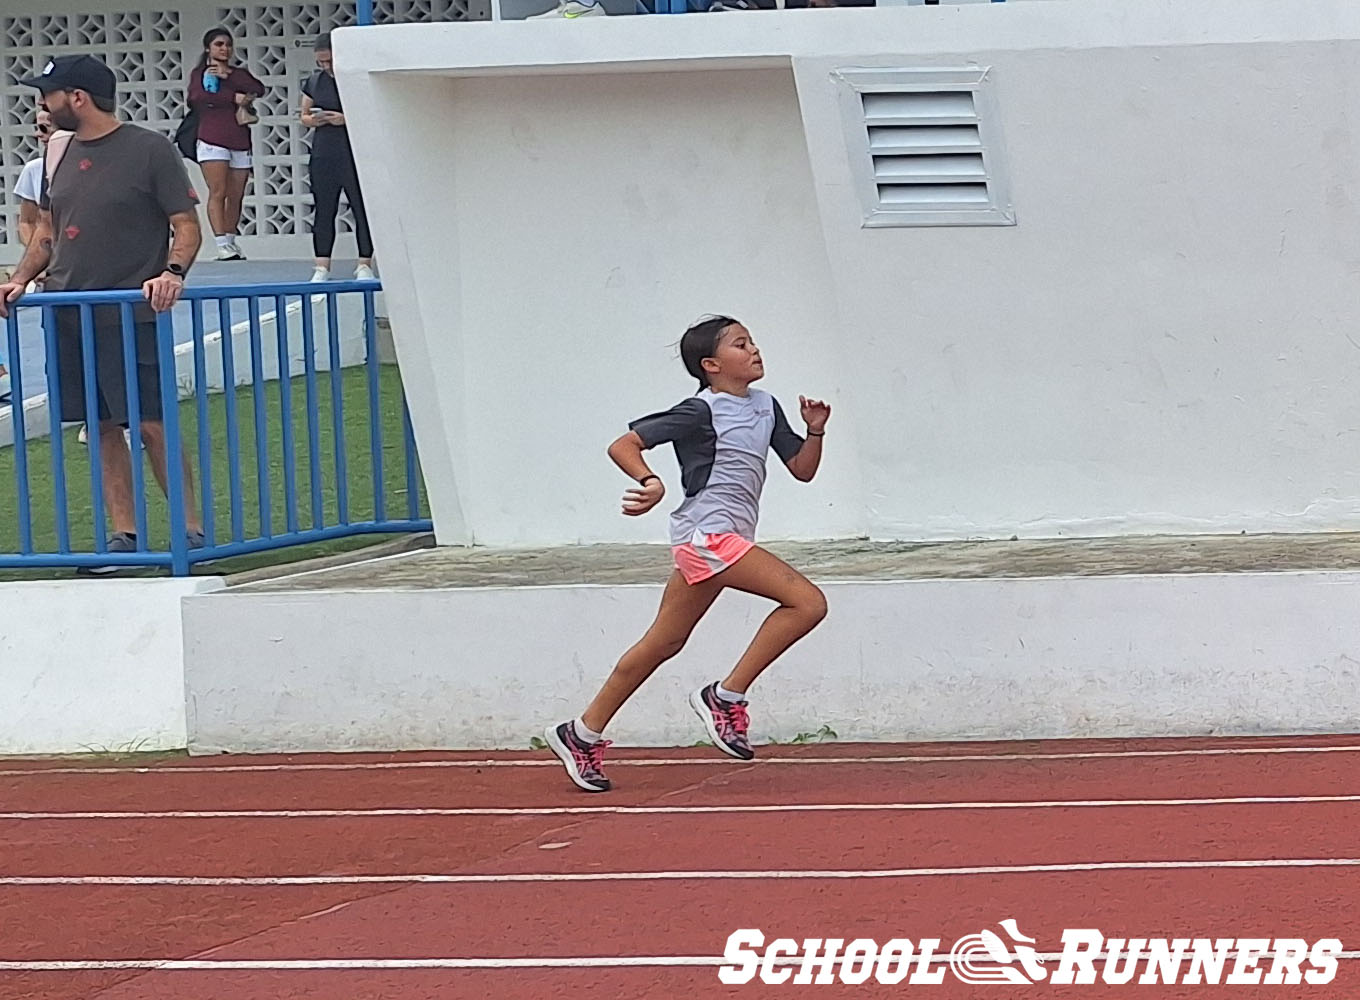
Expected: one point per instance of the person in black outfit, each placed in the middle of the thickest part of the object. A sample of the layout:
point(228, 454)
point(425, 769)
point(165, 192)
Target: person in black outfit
point(332, 167)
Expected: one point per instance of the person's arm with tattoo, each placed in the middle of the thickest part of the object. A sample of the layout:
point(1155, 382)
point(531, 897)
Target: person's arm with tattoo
point(186, 235)
point(35, 260)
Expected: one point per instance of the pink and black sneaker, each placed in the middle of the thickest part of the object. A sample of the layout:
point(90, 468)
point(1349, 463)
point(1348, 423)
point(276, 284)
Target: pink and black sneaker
point(584, 761)
point(726, 721)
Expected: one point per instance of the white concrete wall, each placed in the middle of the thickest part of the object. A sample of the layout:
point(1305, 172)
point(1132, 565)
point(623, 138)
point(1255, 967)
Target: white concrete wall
point(93, 666)
point(1160, 343)
point(903, 660)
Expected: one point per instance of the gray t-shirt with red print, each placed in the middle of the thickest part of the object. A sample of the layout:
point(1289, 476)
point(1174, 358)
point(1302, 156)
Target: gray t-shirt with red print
point(721, 442)
point(111, 200)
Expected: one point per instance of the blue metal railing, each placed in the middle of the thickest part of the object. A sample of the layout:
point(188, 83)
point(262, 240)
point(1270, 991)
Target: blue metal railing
point(325, 510)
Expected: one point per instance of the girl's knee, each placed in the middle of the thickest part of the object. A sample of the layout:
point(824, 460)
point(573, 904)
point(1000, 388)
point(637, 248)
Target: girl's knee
point(670, 646)
point(813, 606)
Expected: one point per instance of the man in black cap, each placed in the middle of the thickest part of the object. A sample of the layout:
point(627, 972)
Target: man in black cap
point(119, 212)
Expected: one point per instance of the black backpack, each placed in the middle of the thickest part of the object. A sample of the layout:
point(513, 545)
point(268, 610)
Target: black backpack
point(186, 136)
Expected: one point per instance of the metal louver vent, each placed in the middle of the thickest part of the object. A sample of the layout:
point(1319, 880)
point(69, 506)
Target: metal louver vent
point(930, 158)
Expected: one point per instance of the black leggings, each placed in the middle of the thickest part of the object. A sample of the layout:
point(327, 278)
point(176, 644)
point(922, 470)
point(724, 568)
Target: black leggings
point(330, 177)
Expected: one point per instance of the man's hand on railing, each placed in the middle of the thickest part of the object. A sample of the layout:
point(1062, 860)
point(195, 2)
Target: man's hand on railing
point(163, 291)
point(10, 292)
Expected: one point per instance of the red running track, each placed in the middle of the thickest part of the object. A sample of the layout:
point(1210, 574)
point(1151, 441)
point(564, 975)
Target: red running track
point(137, 877)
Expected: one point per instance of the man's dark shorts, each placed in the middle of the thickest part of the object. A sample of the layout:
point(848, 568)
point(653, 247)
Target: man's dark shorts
point(110, 374)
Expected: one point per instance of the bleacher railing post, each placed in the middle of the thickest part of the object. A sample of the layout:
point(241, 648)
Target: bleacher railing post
point(174, 462)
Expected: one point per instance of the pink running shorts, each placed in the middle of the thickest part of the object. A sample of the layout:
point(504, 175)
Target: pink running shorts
point(704, 556)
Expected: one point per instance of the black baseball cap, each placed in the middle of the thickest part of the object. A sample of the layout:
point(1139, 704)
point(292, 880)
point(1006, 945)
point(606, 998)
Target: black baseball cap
point(76, 73)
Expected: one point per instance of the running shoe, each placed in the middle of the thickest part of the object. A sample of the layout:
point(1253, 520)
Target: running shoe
point(584, 761)
point(726, 721)
point(120, 542)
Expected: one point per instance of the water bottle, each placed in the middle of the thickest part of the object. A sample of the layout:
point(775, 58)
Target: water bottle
point(210, 81)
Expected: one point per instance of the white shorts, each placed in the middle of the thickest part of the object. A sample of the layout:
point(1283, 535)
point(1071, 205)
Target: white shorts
point(238, 158)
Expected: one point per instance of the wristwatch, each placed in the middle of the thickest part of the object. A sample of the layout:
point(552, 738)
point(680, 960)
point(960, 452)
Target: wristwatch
point(177, 270)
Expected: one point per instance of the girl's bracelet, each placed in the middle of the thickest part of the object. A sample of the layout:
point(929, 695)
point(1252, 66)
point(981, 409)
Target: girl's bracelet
point(643, 480)
point(816, 434)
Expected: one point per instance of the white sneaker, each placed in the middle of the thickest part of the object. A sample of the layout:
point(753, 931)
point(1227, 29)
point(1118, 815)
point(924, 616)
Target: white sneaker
point(364, 273)
point(230, 252)
point(5, 387)
point(320, 274)
point(84, 437)
point(571, 9)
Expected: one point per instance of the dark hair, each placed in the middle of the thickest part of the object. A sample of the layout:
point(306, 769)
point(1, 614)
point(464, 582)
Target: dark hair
point(322, 43)
point(701, 341)
point(208, 38)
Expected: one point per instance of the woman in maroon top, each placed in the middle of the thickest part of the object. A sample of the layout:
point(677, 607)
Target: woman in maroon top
point(223, 95)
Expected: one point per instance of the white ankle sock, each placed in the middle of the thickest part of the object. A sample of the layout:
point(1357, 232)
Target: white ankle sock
point(223, 241)
point(587, 734)
point(728, 696)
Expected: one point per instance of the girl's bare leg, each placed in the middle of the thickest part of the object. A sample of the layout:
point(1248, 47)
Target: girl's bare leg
point(801, 607)
point(682, 605)
point(237, 179)
point(216, 174)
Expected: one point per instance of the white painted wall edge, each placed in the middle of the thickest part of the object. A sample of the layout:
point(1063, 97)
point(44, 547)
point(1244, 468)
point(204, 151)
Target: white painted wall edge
point(1239, 654)
point(636, 44)
point(93, 665)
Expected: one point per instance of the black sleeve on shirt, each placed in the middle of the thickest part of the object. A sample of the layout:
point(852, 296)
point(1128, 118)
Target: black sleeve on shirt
point(683, 420)
point(784, 440)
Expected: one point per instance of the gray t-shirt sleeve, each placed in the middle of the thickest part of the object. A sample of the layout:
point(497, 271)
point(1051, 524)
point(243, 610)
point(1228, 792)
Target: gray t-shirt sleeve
point(784, 440)
point(170, 182)
point(681, 421)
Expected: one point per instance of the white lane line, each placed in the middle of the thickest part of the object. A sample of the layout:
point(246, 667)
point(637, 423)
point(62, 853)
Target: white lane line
point(348, 964)
point(776, 874)
point(362, 964)
point(677, 761)
point(1252, 800)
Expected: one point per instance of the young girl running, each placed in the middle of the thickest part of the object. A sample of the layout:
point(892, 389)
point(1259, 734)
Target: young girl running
point(721, 437)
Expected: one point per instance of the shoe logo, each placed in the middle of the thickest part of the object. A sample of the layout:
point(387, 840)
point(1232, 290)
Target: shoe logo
point(985, 958)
